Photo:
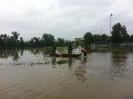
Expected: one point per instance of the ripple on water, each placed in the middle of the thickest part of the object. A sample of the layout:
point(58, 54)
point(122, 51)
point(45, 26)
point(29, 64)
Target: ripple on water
point(102, 76)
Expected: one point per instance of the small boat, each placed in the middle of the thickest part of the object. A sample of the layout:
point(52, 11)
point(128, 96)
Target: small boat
point(65, 55)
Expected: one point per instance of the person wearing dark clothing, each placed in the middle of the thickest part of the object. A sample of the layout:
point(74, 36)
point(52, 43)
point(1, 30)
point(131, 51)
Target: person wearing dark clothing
point(70, 49)
point(53, 50)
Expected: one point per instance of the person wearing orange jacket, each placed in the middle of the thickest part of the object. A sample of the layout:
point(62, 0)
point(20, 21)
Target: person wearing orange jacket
point(83, 50)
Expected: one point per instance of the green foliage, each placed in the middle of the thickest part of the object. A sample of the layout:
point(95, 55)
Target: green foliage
point(88, 38)
point(62, 61)
point(131, 38)
point(22, 42)
point(104, 37)
point(47, 40)
point(32, 64)
point(47, 62)
point(17, 63)
point(96, 37)
point(15, 34)
point(119, 34)
point(81, 43)
point(61, 42)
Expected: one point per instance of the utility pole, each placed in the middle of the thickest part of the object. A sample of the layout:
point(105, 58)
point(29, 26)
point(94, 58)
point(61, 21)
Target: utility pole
point(110, 28)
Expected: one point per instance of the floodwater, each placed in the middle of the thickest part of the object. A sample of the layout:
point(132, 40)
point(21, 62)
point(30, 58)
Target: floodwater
point(32, 74)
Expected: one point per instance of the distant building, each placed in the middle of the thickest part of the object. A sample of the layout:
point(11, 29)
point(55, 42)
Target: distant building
point(126, 45)
point(100, 44)
point(79, 39)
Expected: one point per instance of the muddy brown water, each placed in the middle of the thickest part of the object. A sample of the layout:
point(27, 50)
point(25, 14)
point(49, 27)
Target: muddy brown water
point(32, 74)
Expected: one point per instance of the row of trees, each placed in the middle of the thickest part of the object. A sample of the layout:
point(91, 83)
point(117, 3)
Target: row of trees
point(47, 40)
point(119, 35)
point(11, 41)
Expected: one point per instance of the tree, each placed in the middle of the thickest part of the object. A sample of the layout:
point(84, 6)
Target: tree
point(88, 38)
point(119, 34)
point(96, 37)
point(104, 37)
point(131, 38)
point(124, 34)
point(15, 34)
point(61, 41)
point(22, 42)
point(48, 40)
point(3, 40)
point(15, 38)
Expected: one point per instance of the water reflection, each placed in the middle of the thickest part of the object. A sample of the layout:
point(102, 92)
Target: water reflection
point(81, 69)
point(34, 51)
point(84, 60)
point(70, 62)
point(78, 79)
point(119, 63)
point(119, 57)
point(54, 62)
point(21, 53)
point(13, 54)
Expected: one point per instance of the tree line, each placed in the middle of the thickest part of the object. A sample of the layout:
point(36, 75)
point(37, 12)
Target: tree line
point(119, 35)
point(47, 40)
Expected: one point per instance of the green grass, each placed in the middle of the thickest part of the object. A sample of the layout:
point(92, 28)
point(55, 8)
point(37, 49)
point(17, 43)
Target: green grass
point(62, 61)
point(17, 63)
point(32, 64)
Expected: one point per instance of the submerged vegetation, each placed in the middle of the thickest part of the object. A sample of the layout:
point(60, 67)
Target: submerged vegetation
point(62, 61)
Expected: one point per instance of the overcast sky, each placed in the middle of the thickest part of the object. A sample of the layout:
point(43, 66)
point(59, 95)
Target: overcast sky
point(68, 19)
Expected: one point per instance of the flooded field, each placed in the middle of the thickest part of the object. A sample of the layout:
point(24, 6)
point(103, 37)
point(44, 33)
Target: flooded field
point(33, 74)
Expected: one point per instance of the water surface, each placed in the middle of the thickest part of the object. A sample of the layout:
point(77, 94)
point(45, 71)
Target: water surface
point(32, 74)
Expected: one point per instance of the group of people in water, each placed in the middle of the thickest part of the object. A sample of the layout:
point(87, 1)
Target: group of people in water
point(70, 50)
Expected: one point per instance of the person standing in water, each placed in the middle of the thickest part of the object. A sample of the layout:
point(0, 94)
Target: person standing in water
point(53, 50)
point(70, 49)
point(83, 50)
